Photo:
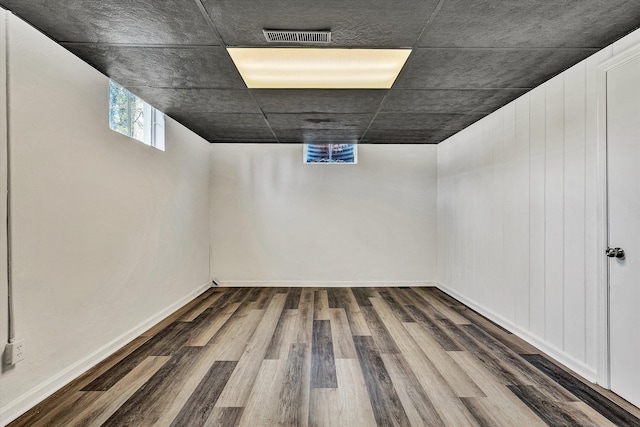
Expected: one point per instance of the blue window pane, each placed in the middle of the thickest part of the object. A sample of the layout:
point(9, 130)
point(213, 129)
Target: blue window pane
point(131, 116)
point(330, 153)
point(118, 108)
point(126, 112)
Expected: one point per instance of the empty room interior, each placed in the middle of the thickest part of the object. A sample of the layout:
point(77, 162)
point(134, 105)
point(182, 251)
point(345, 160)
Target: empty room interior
point(331, 213)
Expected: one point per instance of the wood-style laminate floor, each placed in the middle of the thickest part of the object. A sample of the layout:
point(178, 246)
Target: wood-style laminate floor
point(329, 357)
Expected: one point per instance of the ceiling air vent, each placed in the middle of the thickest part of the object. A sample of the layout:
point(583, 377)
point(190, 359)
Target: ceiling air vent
point(286, 36)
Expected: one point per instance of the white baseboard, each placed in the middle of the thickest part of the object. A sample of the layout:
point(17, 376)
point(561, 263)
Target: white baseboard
point(321, 284)
point(28, 400)
point(588, 372)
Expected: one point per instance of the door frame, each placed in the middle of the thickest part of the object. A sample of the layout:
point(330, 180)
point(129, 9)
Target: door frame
point(603, 367)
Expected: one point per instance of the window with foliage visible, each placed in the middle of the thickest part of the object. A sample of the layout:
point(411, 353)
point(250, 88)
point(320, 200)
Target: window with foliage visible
point(330, 153)
point(131, 116)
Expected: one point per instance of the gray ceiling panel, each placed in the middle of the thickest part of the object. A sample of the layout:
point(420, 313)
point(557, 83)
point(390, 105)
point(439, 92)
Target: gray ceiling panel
point(531, 23)
point(448, 100)
point(371, 23)
point(319, 121)
point(403, 136)
point(245, 121)
point(118, 21)
point(224, 127)
point(486, 68)
point(473, 57)
point(208, 67)
point(318, 135)
point(418, 121)
point(198, 100)
point(233, 134)
point(319, 101)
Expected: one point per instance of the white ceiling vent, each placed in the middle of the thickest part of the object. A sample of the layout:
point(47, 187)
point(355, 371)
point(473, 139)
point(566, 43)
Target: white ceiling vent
point(286, 36)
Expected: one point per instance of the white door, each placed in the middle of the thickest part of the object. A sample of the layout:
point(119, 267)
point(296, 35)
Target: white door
point(623, 169)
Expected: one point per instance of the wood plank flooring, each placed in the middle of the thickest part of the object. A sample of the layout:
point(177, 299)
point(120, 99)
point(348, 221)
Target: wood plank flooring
point(329, 357)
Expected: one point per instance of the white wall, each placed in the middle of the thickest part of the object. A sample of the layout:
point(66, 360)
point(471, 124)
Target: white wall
point(109, 235)
point(276, 220)
point(517, 214)
point(3, 186)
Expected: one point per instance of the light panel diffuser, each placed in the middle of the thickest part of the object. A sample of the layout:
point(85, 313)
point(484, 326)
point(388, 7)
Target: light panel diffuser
point(313, 68)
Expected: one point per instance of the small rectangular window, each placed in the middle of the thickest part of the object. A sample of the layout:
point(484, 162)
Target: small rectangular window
point(131, 116)
point(331, 153)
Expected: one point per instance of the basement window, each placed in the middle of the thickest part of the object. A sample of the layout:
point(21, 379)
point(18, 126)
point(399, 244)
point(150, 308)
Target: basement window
point(331, 153)
point(131, 116)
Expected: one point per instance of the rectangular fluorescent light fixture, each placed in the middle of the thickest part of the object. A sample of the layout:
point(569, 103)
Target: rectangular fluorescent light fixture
point(318, 68)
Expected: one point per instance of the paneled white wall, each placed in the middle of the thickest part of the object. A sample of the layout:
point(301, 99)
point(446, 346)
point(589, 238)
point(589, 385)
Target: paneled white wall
point(276, 220)
point(517, 214)
point(109, 235)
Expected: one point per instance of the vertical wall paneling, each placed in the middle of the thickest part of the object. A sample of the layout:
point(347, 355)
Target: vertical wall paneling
point(554, 211)
point(518, 215)
point(468, 184)
point(496, 224)
point(485, 244)
point(537, 201)
point(574, 210)
point(441, 203)
point(511, 230)
point(445, 200)
point(518, 210)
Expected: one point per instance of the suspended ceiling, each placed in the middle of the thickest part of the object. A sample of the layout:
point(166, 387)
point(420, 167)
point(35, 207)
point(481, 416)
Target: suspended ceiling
point(469, 58)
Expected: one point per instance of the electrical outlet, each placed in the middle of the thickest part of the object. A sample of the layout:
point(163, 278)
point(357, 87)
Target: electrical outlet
point(14, 352)
point(19, 354)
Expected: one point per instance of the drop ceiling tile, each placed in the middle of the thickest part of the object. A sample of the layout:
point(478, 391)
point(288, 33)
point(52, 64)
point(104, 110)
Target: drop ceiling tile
point(319, 101)
point(238, 135)
point(226, 127)
point(417, 121)
point(371, 23)
point(407, 136)
point(448, 100)
point(221, 120)
point(319, 121)
point(117, 21)
point(198, 100)
point(318, 135)
point(486, 68)
point(204, 67)
point(531, 23)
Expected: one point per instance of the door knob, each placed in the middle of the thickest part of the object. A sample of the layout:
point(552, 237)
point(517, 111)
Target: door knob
point(615, 253)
